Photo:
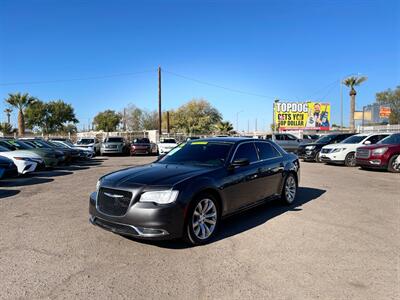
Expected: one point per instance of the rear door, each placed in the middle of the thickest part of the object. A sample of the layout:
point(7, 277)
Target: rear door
point(270, 168)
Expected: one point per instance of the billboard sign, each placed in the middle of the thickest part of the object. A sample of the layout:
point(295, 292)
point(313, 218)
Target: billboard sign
point(384, 112)
point(302, 115)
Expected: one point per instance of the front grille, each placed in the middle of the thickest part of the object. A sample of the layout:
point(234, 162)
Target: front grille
point(111, 146)
point(326, 150)
point(113, 202)
point(362, 153)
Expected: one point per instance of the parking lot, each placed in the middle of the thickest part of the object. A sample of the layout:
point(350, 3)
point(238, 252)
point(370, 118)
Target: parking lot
point(339, 241)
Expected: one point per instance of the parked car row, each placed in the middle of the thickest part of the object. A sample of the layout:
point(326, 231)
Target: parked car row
point(26, 155)
point(369, 151)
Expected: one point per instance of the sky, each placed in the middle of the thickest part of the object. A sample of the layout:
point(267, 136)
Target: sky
point(238, 55)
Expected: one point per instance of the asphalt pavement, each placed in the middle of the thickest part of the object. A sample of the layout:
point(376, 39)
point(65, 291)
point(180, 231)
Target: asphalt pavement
point(339, 241)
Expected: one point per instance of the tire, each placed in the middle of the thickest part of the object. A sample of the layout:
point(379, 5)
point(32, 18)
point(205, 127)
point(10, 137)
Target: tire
point(392, 165)
point(289, 190)
point(350, 160)
point(317, 159)
point(204, 205)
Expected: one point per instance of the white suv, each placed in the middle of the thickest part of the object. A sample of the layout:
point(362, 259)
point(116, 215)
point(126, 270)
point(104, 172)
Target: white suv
point(344, 152)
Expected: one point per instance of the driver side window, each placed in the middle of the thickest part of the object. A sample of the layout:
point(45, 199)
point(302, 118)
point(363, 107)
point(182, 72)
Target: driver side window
point(246, 150)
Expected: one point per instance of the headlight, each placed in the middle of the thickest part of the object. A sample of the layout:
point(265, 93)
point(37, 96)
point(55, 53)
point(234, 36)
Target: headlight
point(338, 150)
point(98, 185)
point(379, 151)
point(310, 147)
point(160, 197)
point(23, 158)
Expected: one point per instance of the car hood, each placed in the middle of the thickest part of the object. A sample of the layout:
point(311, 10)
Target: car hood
point(375, 146)
point(20, 153)
point(155, 174)
point(312, 144)
point(340, 145)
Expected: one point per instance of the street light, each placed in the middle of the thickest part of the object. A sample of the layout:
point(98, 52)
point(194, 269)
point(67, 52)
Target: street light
point(273, 114)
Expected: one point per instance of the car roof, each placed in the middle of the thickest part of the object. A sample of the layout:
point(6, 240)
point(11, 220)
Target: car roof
point(227, 139)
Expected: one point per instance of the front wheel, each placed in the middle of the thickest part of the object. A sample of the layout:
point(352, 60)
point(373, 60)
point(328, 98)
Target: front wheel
point(394, 164)
point(202, 220)
point(350, 160)
point(317, 158)
point(289, 190)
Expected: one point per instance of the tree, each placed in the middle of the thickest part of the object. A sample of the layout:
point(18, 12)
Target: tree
point(134, 118)
point(50, 117)
point(150, 120)
point(107, 120)
point(6, 128)
point(197, 116)
point(8, 112)
point(224, 127)
point(351, 82)
point(391, 98)
point(20, 102)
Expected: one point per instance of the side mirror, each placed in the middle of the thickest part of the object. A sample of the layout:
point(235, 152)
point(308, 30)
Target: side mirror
point(241, 162)
point(367, 143)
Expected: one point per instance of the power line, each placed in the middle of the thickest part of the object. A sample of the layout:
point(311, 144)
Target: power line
point(75, 79)
point(330, 85)
point(216, 85)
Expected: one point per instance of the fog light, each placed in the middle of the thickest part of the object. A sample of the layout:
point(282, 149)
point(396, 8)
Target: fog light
point(150, 231)
point(375, 162)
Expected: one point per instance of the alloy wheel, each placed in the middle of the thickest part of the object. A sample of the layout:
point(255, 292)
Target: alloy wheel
point(290, 189)
point(204, 219)
point(351, 160)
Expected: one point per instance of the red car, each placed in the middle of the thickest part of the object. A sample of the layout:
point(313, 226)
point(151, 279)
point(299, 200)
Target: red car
point(383, 155)
point(143, 146)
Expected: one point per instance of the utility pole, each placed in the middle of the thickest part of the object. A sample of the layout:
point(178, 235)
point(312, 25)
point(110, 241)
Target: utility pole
point(159, 102)
point(124, 119)
point(341, 104)
point(168, 121)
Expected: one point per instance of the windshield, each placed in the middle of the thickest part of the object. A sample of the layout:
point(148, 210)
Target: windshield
point(355, 139)
point(39, 144)
point(86, 141)
point(168, 141)
point(141, 141)
point(393, 139)
point(326, 139)
point(4, 149)
point(20, 145)
point(114, 140)
point(199, 153)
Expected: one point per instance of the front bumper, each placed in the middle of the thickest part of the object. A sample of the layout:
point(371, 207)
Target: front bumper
point(9, 172)
point(372, 162)
point(332, 158)
point(309, 154)
point(142, 220)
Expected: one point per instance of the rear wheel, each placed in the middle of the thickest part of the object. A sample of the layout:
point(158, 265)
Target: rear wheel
point(350, 160)
point(202, 220)
point(289, 190)
point(394, 164)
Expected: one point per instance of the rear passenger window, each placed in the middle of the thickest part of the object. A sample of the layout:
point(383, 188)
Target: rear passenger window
point(246, 150)
point(266, 151)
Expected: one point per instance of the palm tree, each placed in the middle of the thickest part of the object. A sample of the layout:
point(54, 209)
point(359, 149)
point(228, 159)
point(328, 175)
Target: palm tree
point(20, 102)
point(351, 82)
point(8, 112)
point(5, 128)
point(224, 127)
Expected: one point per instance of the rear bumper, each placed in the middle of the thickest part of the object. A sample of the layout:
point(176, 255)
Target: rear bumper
point(142, 220)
